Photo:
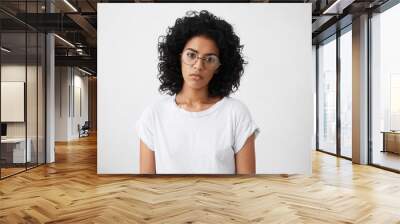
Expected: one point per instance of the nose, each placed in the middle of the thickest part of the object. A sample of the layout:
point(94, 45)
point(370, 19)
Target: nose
point(199, 64)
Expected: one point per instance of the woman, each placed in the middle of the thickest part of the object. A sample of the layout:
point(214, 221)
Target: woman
point(198, 129)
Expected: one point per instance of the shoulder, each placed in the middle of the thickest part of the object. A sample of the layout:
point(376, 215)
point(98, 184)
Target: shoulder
point(236, 105)
point(238, 110)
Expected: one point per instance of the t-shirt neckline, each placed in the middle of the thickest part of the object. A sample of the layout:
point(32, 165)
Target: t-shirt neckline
point(205, 112)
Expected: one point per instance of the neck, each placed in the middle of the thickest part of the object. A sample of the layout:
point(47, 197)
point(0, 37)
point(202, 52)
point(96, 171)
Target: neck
point(193, 96)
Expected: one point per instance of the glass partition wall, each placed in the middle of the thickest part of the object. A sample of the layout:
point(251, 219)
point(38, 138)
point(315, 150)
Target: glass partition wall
point(22, 88)
point(13, 110)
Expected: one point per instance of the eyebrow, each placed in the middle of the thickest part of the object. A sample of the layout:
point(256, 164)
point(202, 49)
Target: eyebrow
point(198, 52)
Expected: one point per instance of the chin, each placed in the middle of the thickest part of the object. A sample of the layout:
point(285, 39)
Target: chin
point(196, 86)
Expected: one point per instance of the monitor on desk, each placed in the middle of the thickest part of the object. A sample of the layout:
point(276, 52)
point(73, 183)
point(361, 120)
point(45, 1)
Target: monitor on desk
point(3, 130)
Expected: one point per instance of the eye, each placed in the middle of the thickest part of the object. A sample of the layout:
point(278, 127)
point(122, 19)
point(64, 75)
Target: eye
point(191, 55)
point(211, 59)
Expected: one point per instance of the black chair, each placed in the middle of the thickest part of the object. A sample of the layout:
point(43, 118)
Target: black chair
point(84, 130)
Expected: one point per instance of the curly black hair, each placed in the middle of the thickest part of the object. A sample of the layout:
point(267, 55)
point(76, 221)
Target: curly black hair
point(201, 23)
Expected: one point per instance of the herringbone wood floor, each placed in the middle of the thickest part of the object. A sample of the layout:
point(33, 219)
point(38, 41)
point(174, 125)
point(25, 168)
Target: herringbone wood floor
point(70, 191)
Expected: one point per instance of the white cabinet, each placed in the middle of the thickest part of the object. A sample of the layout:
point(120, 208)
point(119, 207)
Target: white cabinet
point(18, 149)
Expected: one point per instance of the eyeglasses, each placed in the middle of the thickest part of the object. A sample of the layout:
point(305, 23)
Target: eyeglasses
point(190, 57)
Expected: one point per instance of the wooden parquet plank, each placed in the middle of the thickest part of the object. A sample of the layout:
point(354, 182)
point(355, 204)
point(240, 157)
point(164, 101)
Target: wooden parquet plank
point(70, 191)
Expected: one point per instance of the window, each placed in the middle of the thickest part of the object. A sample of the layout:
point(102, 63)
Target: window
point(346, 94)
point(327, 96)
point(385, 88)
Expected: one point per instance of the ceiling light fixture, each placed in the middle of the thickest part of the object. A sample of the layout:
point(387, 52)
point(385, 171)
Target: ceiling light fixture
point(65, 41)
point(84, 71)
point(5, 50)
point(79, 51)
point(70, 5)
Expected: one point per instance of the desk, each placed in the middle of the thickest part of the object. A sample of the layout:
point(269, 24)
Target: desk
point(15, 148)
point(391, 141)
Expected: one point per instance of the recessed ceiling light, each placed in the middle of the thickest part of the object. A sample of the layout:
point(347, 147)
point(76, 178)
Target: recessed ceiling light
point(5, 50)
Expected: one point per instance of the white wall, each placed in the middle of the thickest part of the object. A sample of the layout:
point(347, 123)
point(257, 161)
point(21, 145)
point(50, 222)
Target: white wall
point(67, 116)
point(61, 103)
point(314, 74)
point(80, 84)
point(277, 85)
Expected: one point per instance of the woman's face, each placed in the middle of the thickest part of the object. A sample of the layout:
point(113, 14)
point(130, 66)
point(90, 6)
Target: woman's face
point(199, 62)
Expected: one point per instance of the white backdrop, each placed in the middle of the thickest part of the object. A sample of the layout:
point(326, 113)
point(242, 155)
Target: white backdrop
point(277, 85)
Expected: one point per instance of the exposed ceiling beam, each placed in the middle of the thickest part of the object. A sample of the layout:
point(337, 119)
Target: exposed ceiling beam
point(85, 61)
point(84, 24)
point(320, 22)
point(91, 5)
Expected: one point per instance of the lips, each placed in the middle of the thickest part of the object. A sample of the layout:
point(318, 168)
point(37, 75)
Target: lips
point(195, 76)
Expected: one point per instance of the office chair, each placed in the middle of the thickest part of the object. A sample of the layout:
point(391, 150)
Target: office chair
point(84, 130)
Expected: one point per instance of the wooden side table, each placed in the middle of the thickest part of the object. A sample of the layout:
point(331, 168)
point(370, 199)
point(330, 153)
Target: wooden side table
point(391, 141)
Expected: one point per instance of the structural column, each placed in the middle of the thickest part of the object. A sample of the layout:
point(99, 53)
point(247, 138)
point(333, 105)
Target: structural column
point(360, 90)
point(50, 92)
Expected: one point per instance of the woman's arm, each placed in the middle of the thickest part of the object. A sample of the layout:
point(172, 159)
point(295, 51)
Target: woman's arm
point(147, 161)
point(245, 158)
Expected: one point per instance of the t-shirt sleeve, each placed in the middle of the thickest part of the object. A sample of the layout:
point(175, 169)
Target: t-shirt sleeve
point(144, 128)
point(244, 128)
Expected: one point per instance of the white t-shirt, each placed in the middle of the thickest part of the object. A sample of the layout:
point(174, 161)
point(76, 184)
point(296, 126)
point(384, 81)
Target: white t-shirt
point(201, 142)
